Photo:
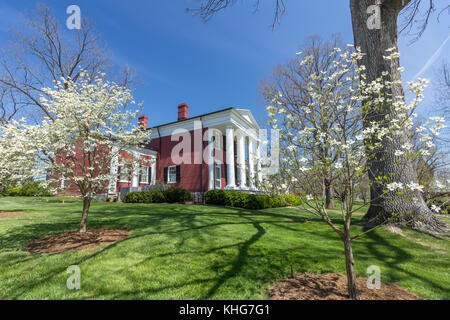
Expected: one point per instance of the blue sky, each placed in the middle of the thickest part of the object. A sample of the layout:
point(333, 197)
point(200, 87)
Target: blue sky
point(178, 58)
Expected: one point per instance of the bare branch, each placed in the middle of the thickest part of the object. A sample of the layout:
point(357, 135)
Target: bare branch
point(209, 8)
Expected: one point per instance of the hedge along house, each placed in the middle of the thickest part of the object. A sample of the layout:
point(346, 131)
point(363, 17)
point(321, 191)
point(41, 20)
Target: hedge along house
point(217, 150)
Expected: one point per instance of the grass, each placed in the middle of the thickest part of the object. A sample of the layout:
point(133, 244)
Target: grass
point(200, 252)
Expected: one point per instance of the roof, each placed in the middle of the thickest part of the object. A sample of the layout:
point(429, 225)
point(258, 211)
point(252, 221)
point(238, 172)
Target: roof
point(188, 119)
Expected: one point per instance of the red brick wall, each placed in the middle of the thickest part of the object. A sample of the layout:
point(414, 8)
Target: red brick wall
point(193, 177)
point(190, 174)
point(72, 190)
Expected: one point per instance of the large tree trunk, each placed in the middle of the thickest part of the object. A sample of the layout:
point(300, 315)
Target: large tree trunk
point(84, 216)
point(410, 209)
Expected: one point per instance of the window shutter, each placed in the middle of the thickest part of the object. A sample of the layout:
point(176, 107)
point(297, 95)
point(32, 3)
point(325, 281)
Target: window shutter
point(178, 174)
point(149, 175)
point(165, 174)
point(139, 175)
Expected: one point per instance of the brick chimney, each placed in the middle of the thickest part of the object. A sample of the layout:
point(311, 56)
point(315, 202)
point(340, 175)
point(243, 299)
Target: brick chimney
point(182, 111)
point(143, 122)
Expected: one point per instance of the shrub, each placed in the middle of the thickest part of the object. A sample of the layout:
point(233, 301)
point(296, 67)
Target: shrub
point(138, 197)
point(176, 194)
point(171, 195)
point(13, 192)
point(35, 188)
point(130, 197)
point(244, 200)
point(291, 199)
point(215, 197)
point(158, 196)
point(255, 202)
point(29, 189)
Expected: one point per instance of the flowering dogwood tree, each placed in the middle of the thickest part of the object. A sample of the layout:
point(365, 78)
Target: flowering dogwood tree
point(342, 95)
point(91, 124)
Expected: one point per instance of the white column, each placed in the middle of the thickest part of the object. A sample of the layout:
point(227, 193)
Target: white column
point(135, 182)
point(210, 159)
point(251, 162)
point(231, 183)
point(153, 164)
point(113, 171)
point(241, 160)
point(258, 163)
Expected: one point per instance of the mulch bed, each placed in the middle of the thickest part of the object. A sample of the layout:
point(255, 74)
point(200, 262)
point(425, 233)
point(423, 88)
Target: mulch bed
point(76, 241)
point(10, 214)
point(333, 286)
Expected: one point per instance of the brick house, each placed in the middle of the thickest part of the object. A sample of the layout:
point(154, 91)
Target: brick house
point(217, 150)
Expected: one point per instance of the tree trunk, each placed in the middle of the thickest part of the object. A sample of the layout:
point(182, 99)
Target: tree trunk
point(329, 195)
point(410, 209)
point(350, 266)
point(84, 216)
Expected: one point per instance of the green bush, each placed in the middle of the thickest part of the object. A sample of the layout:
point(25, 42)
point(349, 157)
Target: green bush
point(35, 188)
point(138, 197)
point(176, 194)
point(29, 189)
point(171, 195)
point(292, 199)
point(233, 198)
point(215, 197)
point(158, 196)
point(13, 192)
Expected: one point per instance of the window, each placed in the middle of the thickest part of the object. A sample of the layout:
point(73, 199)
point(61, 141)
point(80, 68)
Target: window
point(124, 172)
point(172, 174)
point(144, 176)
point(218, 176)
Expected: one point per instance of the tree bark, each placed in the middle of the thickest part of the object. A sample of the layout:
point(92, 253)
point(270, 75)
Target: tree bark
point(84, 216)
point(410, 209)
point(350, 265)
point(329, 195)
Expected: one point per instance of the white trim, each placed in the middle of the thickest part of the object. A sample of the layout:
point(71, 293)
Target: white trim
point(241, 161)
point(218, 166)
point(251, 163)
point(241, 118)
point(210, 160)
point(129, 175)
point(141, 175)
point(231, 181)
point(168, 174)
point(153, 177)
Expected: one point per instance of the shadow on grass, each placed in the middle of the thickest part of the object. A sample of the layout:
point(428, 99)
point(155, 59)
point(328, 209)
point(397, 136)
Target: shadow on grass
point(395, 256)
point(184, 223)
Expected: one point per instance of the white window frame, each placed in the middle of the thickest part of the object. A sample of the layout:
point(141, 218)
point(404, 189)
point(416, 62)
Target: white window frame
point(219, 180)
point(169, 181)
point(142, 169)
point(124, 165)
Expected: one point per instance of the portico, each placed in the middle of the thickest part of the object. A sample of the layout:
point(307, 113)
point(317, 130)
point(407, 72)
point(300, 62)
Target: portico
point(237, 142)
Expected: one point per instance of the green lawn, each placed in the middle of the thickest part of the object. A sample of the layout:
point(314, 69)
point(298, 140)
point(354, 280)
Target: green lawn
point(200, 252)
